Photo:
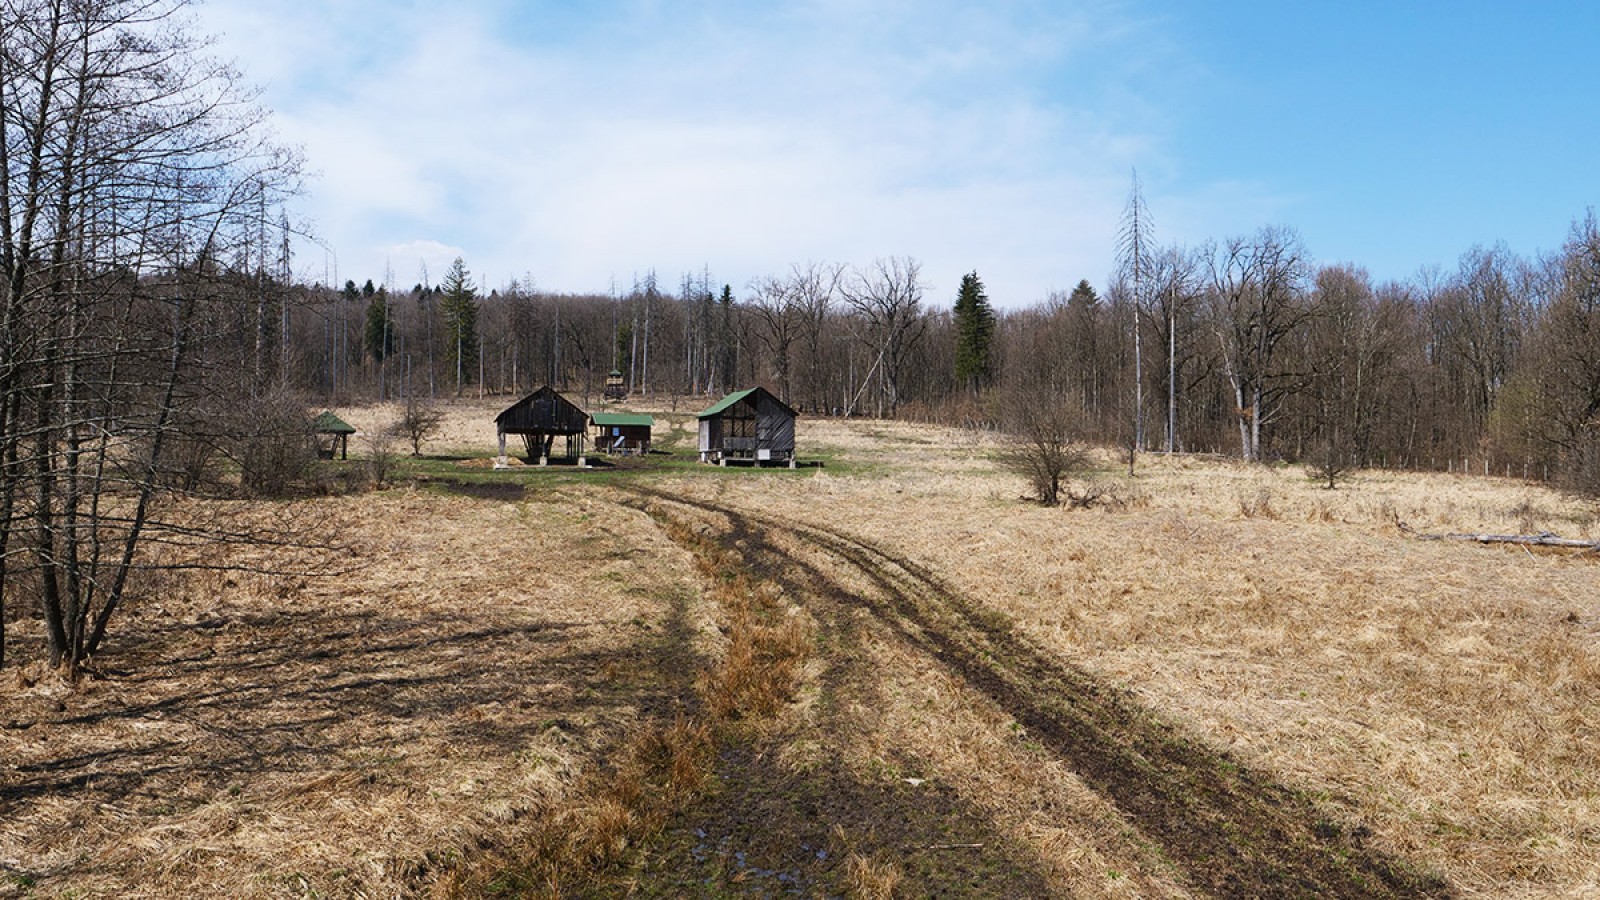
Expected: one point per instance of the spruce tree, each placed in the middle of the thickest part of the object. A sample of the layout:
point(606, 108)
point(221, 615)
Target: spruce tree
point(459, 308)
point(380, 327)
point(728, 347)
point(975, 324)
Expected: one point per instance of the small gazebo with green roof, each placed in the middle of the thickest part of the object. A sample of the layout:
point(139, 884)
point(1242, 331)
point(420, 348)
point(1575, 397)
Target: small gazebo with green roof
point(338, 432)
point(622, 433)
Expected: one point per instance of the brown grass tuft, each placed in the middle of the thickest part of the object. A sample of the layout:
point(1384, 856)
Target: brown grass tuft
point(1257, 505)
point(761, 669)
point(867, 878)
point(615, 808)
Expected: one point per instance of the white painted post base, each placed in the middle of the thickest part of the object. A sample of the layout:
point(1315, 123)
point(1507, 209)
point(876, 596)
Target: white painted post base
point(501, 462)
point(544, 461)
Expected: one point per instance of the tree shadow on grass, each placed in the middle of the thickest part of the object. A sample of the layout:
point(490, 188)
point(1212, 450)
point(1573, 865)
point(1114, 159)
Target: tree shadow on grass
point(1231, 831)
point(327, 702)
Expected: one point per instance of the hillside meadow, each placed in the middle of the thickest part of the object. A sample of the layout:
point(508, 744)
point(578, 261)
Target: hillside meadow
point(882, 674)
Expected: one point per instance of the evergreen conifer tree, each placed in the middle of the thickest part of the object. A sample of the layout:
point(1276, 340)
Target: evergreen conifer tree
point(459, 309)
point(975, 324)
point(380, 327)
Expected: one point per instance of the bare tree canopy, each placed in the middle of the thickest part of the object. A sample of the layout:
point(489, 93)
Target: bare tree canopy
point(136, 184)
point(1258, 292)
point(888, 297)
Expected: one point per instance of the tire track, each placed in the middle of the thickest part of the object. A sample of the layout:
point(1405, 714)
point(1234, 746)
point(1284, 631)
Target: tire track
point(1231, 831)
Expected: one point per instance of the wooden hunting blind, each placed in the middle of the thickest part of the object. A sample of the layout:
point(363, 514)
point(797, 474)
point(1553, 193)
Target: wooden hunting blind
point(540, 418)
point(336, 430)
point(622, 433)
point(615, 389)
point(750, 424)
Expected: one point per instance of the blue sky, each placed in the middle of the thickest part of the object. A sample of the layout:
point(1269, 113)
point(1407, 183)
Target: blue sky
point(582, 144)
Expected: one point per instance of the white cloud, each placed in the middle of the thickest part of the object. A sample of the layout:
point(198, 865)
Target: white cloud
point(582, 146)
point(419, 261)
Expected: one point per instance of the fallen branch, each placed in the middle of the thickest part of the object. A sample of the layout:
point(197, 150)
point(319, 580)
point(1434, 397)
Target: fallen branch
point(1542, 539)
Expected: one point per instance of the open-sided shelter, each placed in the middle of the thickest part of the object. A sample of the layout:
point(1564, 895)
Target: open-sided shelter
point(333, 435)
point(622, 433)
point(750, 424)
point(540, 418)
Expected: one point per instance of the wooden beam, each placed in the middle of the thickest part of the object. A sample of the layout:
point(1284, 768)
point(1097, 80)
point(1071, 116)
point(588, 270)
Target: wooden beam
point(1542, 539)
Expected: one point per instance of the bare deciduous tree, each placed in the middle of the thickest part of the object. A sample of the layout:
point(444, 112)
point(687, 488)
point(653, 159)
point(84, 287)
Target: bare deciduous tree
point(130, 168)
point(814, 287)
point(888, 298)
point(775, 308)
point(419, 421)
point(1257, 302)
point(1550, 409)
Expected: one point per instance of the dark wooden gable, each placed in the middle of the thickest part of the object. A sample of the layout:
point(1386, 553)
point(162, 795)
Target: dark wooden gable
point(542, 412)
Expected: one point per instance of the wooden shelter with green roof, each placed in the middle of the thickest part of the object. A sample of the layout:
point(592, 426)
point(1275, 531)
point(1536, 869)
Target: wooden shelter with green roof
point(752, 425)
point(338, 433)
point(622, 433)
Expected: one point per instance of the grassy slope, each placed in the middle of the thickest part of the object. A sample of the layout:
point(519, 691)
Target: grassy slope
point(1356, 701)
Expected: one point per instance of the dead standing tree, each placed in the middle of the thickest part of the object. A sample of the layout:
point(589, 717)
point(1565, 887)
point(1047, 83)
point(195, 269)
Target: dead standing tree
point(129, 166)
point(1135, 247)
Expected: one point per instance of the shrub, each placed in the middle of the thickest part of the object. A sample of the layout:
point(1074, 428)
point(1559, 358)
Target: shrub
point(1043, 448)
point(269, 437)
point(419, 421)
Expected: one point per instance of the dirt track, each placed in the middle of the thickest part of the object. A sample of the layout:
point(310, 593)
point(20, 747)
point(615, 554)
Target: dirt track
point(1223, 829)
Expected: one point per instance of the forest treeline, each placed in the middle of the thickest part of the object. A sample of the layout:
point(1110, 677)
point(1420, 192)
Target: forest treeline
point(1245, 346)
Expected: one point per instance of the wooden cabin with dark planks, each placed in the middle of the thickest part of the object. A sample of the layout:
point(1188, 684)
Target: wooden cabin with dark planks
point(621, 433)
point(748, 425)
point(540, 418)
point(333, 435)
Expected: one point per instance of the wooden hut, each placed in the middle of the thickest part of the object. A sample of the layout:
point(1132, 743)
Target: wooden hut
point(615, 389)
point(622, 433)
point(750, 424)
point(540, 418)
point(333, 435)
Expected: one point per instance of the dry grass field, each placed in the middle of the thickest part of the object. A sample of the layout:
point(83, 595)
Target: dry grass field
point(884, 676)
